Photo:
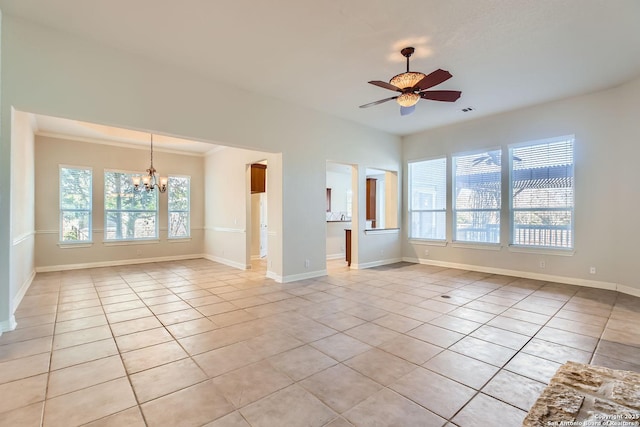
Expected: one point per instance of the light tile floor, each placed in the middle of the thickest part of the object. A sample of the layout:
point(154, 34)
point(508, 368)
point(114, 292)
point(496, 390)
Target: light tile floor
point(197, 343)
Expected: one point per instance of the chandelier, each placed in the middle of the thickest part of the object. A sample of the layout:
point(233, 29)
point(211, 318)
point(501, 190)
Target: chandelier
point(151, 179)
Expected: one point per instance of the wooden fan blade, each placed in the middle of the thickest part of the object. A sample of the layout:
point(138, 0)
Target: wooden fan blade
point(405, 111)
point(371, 104)
point(385, 85)
point(435, 78)
point(441, 95)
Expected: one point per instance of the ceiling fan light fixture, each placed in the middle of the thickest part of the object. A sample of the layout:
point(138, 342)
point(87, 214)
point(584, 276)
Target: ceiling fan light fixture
point(407, 80)
point(408, 99)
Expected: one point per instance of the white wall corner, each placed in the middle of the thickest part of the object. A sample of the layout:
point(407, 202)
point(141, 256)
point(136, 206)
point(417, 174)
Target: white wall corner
point(275, 277)
point(8, 325)
point(228, 262)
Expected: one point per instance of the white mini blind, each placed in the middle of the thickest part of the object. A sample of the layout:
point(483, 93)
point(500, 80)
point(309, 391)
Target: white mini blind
point(476, 202)
point(428, 199)
point(542, 193)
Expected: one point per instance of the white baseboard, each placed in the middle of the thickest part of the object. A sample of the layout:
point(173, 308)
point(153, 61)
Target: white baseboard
point(375, 263)
point(228, 262)
point(303, 276)
point(114, 263)
point(275, 277)
point(22, 291)
point(8, 325)
point(629, 290)
point(530, 275)
point(336, 256)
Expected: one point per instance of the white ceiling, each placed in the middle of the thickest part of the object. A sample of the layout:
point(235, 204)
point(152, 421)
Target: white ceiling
point(100, 134)
point(503, 54)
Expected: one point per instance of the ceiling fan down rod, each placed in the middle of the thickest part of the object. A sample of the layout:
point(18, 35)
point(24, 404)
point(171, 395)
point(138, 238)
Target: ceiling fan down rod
point(407, 52)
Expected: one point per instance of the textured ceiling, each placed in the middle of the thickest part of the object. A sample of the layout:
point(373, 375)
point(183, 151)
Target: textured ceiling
point(503, 54)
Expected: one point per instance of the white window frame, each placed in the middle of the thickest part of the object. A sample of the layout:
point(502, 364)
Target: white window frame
point(454, 209)
point(435, 211)
point(512, 210)
point(61, 210)
point(107, 211)
point(169, 210)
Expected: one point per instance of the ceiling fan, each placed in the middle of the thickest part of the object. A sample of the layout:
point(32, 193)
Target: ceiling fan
point(413, 86)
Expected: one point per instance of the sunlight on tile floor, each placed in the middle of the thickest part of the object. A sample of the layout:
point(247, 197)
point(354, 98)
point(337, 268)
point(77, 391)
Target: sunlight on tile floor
point(195, 343)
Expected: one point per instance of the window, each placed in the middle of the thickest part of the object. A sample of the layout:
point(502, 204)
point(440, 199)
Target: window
point(75, 204)
point(542, 193)
point(179, 193)
point(476, 202)
point(129, 214)
point(428, 199)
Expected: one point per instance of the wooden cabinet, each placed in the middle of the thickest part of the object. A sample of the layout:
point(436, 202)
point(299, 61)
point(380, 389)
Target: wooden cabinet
point(371, 201)
point(258, 178)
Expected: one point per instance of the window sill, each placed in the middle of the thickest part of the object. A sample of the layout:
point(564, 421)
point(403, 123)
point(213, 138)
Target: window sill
point(481, 246)
point(382, 231)
point(427, 242)
point(178, 239)
point(541, 251)
point(130, 242)
point(69, 245)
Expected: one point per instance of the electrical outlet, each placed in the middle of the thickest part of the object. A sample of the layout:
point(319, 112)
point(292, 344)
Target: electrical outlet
point(307, 263)
point(592, 270)
point(426, 252)
point(139, 252)
point(543, 264)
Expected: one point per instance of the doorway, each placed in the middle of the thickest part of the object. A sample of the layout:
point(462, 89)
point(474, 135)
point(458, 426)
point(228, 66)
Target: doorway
point(258, 215)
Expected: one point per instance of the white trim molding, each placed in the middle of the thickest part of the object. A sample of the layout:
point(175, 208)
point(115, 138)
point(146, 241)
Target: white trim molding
point(23, 237)
point(629, 290)
point(302, 276)
point(480, 246)
point(17, 299)
point(382, 231)
point(64, 267)
point(8, 325)
point(336, 256)
point(227, 229)
point(376, 263)
point(273, 276)
point(228, 262)
point(426, 242)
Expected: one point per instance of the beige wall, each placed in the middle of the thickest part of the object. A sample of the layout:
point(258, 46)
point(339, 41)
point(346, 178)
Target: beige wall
point(51, 152)
point(607, 132)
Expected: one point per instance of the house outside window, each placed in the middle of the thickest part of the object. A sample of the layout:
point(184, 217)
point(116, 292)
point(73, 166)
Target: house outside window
point(476, 197)
point(179, 207)
point(129, 214)
point(75, 204)
point(542, 193)
point(428, 199)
